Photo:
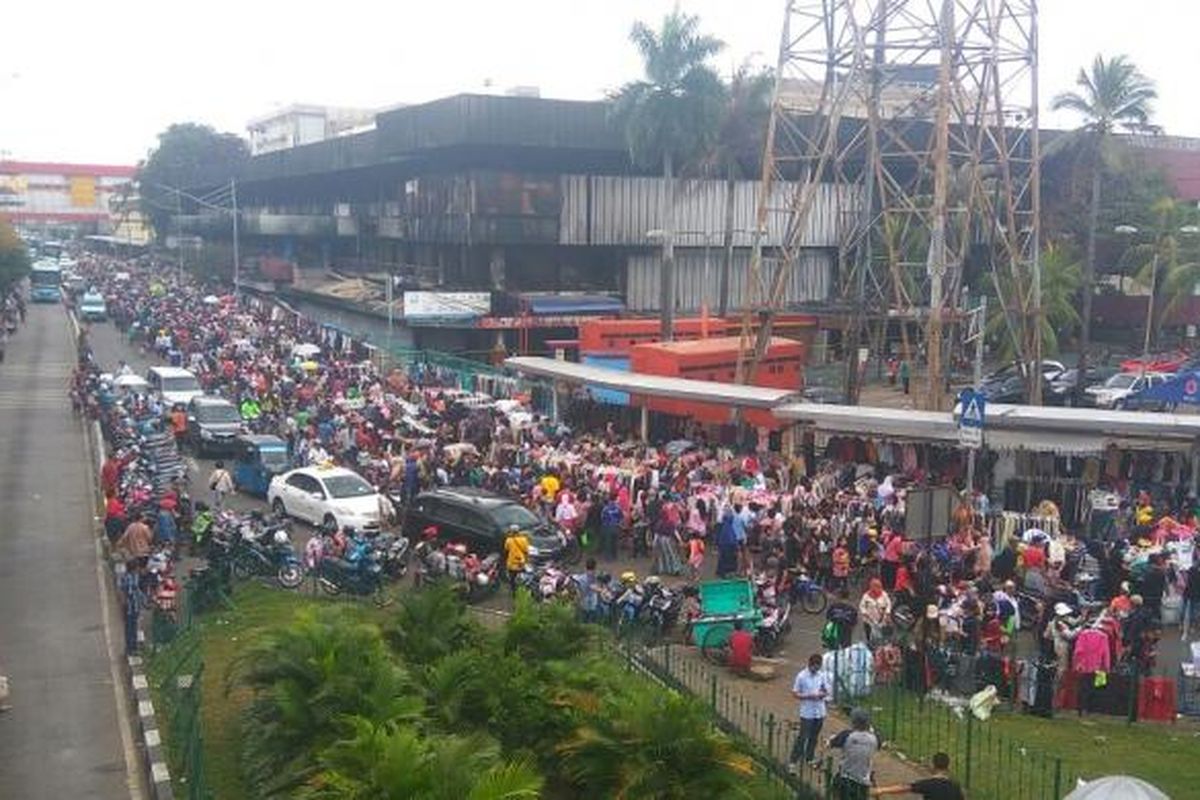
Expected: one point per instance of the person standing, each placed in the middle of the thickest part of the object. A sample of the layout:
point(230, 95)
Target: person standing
point(611, 517)
point(221, 484)
point(1191, 599)
point(516, 554)
point(858, 744)
point(133, 600)
point(904, 375)
point(811, 688)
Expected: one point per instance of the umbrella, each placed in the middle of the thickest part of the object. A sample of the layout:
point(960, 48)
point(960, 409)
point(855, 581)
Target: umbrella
point(211, 300)
point(678, 447)
point(311, 366)
point(306, 350)
point(1116, 787)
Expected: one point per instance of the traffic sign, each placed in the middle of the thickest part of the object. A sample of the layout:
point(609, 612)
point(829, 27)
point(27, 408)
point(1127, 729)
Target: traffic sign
point(971, 418)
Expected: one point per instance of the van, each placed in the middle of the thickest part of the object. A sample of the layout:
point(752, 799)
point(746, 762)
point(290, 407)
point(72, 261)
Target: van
point(173, 385)
point(93, 308)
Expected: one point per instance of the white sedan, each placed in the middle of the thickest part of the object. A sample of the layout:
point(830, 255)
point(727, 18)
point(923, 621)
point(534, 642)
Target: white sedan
point(325, 495)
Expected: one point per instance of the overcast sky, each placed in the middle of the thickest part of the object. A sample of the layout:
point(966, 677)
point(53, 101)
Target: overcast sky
point(96, 81)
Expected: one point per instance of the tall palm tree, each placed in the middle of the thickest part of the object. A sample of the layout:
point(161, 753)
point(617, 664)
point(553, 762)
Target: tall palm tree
point(671, 117)
point(739, 148)
point(1060, 284)
point(1170, 264)
point(1113, 94)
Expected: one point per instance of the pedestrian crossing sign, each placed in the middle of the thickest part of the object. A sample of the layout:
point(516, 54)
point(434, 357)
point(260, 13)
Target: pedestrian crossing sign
point(972, 406)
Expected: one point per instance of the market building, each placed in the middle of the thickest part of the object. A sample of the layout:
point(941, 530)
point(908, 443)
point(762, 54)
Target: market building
point(65, 200)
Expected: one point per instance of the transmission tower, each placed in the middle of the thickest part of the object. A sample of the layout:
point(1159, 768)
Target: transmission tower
point(923, 115)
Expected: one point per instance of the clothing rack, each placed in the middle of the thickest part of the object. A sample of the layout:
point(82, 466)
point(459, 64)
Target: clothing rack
point(1014, 523)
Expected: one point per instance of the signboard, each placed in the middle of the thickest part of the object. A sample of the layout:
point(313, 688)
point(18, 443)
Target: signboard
point(971, 419)
point(446, 305)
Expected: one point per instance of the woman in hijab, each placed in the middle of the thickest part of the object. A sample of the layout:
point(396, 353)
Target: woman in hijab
point(875, 609)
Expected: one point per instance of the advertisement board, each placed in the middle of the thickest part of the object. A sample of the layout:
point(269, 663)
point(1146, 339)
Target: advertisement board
point(446, 305)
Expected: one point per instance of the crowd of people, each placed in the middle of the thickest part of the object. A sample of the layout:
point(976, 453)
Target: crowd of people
point(688, 507)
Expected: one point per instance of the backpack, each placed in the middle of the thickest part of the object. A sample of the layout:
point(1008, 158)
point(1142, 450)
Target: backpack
point(831, 635)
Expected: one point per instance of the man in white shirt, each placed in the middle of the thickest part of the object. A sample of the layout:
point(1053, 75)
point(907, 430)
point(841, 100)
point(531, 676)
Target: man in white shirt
point(811, 688)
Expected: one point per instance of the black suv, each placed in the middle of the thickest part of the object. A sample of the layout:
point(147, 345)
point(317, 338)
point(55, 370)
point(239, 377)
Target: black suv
point(480, 520)
point(213, 424)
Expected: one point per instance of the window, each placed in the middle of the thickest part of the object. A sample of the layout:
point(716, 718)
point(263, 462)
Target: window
point(343, 486)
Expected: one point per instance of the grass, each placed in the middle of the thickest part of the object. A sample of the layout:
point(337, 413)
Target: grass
point(1017, 756)
point(222, 636)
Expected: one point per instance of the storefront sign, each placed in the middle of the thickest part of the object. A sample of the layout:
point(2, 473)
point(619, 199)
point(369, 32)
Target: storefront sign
point(446, 305)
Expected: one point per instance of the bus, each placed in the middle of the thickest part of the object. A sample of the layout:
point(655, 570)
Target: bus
point(45, 283)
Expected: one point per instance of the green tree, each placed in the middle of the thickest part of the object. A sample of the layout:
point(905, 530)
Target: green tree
point(14, 257)
point(1170, 262)
point(671, 118)
point(307, 678)
point(1061, 277)
point(1113, 94)
point(383, 761)
point(739, 148)
point(430, 624)
point(648, 743)
point(188, 156)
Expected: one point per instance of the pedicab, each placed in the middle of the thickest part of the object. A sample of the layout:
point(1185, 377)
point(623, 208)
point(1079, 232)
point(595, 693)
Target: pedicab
point(259, 459)
point(723, 603)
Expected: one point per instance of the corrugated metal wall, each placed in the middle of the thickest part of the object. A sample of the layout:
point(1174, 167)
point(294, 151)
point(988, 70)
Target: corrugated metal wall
point(811, 279)
point(619, 210)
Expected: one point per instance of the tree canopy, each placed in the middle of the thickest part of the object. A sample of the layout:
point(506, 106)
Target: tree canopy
point(188, 155)
point(14, 257)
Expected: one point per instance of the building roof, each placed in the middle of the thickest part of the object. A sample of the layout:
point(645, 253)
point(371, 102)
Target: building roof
point(714, 345)
point(61, 168)
point(869, 420)
point(651, 385)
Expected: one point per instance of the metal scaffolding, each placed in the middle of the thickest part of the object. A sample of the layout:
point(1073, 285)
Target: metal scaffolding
point(924, 114)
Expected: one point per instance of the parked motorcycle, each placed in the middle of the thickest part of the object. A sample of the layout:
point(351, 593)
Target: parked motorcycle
point(267, 552)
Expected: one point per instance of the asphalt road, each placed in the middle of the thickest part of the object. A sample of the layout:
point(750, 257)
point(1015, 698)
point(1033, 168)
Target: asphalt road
point(62, 737)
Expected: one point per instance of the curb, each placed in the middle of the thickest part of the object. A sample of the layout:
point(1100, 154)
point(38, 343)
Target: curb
point(148, 738)
point(148, 731)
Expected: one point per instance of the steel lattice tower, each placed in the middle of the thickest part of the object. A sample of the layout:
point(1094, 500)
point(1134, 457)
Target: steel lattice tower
point(924, 114)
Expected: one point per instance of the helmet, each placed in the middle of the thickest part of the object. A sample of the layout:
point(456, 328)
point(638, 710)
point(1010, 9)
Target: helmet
point(514, 528)
point(430, 533)
point(628, 577)
point(458, 549)
point(653, 580)
point(281, 537)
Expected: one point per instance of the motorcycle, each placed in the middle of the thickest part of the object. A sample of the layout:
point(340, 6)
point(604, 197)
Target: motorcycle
point(393, 555)
point(807, 593)
point(359, 573)
point(775, 624)
point(660, 606)
point(477, 578)
point(267, 552)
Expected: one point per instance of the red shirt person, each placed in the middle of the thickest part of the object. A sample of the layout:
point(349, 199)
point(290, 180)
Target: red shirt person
point(741, 649)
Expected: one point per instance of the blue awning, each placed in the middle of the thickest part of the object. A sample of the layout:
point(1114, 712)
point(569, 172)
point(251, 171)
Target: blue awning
point(567, 304)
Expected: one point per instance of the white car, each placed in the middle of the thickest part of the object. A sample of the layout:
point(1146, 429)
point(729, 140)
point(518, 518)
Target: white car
point(325, 495)
point(1114, 391)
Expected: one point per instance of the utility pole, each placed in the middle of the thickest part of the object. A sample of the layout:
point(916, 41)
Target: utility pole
point(936, 264)
point(237, 264)
point(977, 379)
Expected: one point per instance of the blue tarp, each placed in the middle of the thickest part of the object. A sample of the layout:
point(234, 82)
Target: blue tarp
point(599, 393)
point(562, 305)
point(1183, 389)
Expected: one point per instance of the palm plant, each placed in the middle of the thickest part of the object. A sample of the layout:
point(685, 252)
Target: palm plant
point(1061, 276)
point(1170, 264)
point(671, 117)
point(649, 744)
point(739, 147)
point(395, 762)
point(430, 624)
point(1113, 94)
point(306, 678)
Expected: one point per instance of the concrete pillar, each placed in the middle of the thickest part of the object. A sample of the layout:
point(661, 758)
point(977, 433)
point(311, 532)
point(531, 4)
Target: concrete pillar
point(1195, 473)
point(789, 440)
point(645, 425)
point(496, 268)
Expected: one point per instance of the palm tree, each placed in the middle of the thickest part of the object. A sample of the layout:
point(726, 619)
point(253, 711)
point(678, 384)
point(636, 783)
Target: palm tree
point(670, 118)
point(1170, 265)
point(1112, 95)
point(1061, 277)
point(384, 761)
point(740, 145)
point(648, 743)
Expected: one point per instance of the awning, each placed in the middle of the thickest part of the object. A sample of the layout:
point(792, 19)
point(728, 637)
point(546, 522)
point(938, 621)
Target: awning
point(731, 394)
point(560, 304)
point(1141, 426)
point(887, 423)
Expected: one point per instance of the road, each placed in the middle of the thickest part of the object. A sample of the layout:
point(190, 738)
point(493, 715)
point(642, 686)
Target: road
point(62, 738)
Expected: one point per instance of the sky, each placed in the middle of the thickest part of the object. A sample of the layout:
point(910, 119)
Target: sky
point(85, 81)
